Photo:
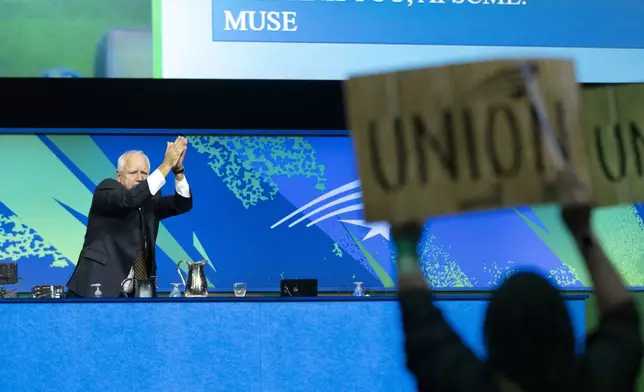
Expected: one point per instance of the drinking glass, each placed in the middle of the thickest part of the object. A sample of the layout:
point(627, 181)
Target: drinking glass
point(239, 289)
point(358, 292)
point(175, 293)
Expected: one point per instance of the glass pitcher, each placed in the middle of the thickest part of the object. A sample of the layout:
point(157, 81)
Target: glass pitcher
point(145, 288)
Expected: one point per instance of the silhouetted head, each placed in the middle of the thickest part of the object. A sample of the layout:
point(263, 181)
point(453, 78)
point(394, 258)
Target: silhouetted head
point(529, 335)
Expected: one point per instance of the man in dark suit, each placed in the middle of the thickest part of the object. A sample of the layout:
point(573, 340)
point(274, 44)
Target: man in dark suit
point(124, 222)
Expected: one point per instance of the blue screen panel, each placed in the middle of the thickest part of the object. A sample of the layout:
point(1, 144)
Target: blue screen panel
point(273, 207)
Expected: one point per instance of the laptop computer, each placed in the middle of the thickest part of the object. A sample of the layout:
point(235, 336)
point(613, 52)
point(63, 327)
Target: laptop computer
point(299, 288)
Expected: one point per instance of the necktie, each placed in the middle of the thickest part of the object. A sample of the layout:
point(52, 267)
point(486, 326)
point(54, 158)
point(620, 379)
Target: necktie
point(140, 269)
point(140, 261)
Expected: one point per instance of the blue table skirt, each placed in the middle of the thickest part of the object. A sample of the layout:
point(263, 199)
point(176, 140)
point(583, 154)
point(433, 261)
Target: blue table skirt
point(218, 344)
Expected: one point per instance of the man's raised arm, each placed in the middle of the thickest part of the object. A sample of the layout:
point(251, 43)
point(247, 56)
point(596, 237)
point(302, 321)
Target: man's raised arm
point(111, 197)
point(181, 201)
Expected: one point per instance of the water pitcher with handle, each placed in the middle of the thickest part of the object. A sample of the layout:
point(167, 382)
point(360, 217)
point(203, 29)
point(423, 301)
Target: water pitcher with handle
point(195, 283)
point(146, 288)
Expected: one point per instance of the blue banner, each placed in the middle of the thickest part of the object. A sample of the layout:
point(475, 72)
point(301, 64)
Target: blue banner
point(551, 23)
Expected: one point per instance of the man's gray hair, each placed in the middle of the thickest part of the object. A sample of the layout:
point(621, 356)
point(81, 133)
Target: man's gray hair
point(120, 165)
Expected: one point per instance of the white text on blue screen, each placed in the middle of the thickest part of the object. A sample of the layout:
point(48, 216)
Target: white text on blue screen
point(261, 21)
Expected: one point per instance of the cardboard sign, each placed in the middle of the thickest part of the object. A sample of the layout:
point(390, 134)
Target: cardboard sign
point(460, 138)
point(614, 125)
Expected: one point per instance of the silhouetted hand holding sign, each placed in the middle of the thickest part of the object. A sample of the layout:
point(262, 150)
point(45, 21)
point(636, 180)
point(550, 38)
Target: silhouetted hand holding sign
point(575, 201)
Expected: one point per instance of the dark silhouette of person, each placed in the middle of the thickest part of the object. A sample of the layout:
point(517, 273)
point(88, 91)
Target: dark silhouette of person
point(528, 333)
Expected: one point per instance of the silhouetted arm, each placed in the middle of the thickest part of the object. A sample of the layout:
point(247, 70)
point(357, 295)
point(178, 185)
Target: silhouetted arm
point(610, 288)
point(614, 351)
point(436, 355)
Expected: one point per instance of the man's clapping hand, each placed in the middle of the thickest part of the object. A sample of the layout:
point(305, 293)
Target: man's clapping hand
point(184, 141)
point(175, 151)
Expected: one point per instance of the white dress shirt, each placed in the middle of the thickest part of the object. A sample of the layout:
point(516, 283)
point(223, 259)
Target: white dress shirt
point(156, 181)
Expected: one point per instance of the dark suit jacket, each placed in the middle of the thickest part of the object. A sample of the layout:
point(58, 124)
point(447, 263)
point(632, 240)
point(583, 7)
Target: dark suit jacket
point(114, 234)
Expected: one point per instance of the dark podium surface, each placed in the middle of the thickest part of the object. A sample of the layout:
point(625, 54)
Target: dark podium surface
point(219, 344)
